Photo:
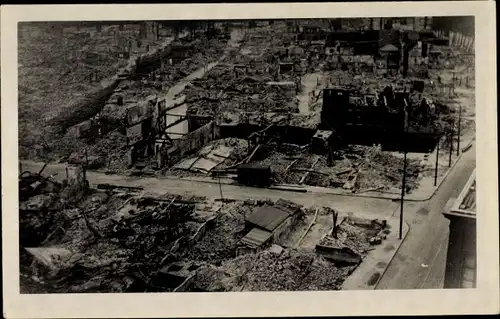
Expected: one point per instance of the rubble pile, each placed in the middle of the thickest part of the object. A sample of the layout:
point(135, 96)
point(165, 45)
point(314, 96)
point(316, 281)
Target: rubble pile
point(213, 279)
point(348, 236)
point(117, 242)
point(106, 151)
point(224, 89)
point(200, 53)
point(220, 241)
point(386, 171)
point(371, 169)
point(292, 270)
point(334, 175)
point(188, 57)
point(364, 167)
point(106, 242)
point(242, 79)
point(79, 85)
point(79, 58)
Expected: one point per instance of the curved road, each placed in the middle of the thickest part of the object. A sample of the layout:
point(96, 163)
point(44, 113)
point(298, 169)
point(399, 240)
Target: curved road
point(421, 259)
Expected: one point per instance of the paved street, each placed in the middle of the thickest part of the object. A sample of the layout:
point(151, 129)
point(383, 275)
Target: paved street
point(379, 208)
point(420, 260)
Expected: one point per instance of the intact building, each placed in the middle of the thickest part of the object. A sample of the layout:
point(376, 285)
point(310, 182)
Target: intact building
point(461, 269)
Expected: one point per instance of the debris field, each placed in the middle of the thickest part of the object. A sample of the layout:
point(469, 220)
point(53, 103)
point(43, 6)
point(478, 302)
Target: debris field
point(113, 239)
point(304, 104)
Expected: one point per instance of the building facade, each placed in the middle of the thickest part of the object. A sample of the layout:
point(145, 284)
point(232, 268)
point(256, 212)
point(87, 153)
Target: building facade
point(461, 265)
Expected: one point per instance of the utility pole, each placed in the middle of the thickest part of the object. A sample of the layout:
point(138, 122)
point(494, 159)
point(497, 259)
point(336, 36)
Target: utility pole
point(451, 143)
point(402, 196)
point(85, 165)
point(403, 186)
point(437, 160)
point(459, 122)
point(334, 229)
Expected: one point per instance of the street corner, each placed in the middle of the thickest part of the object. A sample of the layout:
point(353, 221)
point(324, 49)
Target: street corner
point(375, 264)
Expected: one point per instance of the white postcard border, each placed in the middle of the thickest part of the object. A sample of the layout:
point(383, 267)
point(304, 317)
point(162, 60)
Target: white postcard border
point(484, 299)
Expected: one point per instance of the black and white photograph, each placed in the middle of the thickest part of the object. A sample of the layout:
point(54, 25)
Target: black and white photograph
point(246, 155)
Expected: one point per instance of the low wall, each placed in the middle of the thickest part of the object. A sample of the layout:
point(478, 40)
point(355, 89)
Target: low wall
point(192, 142)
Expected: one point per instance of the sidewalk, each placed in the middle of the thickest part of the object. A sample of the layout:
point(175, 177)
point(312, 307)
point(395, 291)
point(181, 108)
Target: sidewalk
point(426, 187)
point(374, 265)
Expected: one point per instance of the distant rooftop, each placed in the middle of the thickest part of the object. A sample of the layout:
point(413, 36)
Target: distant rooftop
point(267, 217)
point(465, 205)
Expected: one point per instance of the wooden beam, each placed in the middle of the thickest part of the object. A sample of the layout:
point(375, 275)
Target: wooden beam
point(313, 222)
point(291, 164)
point(307, 173)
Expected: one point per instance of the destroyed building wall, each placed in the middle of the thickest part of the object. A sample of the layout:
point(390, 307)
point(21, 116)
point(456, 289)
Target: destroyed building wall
point(192, 141)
